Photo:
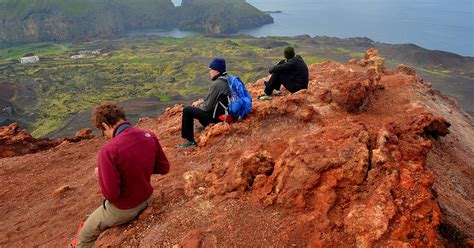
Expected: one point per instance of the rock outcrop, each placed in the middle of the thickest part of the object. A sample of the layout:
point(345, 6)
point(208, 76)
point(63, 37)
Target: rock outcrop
point(365, 157)
point(16, 142)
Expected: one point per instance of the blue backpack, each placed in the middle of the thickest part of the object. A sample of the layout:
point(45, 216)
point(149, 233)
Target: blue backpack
point(240, 100)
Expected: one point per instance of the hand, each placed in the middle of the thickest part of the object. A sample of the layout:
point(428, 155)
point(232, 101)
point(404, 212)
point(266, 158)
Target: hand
point(96, 171)
point(197, 103)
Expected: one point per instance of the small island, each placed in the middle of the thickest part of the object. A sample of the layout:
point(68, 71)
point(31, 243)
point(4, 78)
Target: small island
point(273, 11)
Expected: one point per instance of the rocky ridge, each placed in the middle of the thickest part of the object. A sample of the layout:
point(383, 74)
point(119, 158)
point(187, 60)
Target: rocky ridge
point(17, 142)
point(352, 162)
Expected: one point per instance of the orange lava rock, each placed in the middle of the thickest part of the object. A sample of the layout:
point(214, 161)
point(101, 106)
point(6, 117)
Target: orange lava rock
point(61, 190)
point(8, 130)
point(352, 61)
point(371, 53)
point(406, 69)
point(85, 133)
point(197, 239)
point(213, 132)
point(370, 221)
point(15, 142)
point(240, 175)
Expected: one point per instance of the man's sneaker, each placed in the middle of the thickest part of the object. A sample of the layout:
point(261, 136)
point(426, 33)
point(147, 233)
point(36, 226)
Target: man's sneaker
point(187, 144)
point(277, 92)
point(264, 97)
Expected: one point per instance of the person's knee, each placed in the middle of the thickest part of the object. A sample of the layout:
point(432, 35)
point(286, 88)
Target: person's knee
point(190, 112)
point(187, 110)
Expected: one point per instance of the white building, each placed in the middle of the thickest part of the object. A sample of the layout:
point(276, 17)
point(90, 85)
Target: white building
point(29, 60)
point(80, 56)
point(85, 53)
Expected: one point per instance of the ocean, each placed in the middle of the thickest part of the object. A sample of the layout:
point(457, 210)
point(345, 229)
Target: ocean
point(446, 25)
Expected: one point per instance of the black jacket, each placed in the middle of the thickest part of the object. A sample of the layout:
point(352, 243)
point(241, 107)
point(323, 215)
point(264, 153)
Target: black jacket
point(297, 70)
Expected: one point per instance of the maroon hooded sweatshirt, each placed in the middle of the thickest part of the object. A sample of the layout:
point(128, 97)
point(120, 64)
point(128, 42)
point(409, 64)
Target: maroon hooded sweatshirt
point(126, 164)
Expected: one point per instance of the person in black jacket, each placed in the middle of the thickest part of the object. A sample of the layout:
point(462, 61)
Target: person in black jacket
point(209, 109)
point(291, 72)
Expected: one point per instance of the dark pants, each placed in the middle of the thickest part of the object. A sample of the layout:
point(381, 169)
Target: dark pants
point(187, 124)
point(279, 78)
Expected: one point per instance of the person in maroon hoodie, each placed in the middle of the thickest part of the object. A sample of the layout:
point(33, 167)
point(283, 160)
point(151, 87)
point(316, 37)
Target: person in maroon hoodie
point(126, 163)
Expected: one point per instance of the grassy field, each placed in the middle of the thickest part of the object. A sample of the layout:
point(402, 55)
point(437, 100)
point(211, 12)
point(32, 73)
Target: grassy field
point(165, 69)
point(160, 68)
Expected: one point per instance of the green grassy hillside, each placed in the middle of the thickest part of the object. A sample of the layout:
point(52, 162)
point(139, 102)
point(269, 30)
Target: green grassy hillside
point(23, 21)
point(79, 8)
point(20, 8)
point(220, 16)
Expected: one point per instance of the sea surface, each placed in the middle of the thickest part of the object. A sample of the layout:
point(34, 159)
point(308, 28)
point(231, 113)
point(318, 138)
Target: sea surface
point(446, 25)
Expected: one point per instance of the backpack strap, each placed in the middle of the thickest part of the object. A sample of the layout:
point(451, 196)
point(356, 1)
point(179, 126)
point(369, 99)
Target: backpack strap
point(226, 109)
point(226, 79)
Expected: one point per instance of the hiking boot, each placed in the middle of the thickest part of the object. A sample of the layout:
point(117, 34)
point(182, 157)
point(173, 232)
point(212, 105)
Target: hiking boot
point(264, 97)
point(187, 144)
point(277, 92)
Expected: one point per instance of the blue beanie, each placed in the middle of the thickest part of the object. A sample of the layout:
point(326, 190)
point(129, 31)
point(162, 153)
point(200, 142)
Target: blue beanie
point(218, 64)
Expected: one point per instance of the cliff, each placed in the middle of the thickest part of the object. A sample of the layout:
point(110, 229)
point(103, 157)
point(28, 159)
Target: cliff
point(34, 21)
point(220, 16)
point(366, 157)
point(39, 20)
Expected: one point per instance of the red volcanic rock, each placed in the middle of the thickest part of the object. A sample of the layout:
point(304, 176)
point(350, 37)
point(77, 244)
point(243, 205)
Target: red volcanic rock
point(369, 221)
point(8, 130)
point(240, 176)
point(61, 190)
point(197, 239)
point(371, 60)
point(406, 70)
point(15, 142)
point(193, 180)
point(85, 133)
point(371, 53)
point(213, 131)
point(352, 90)
point(308, 156)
